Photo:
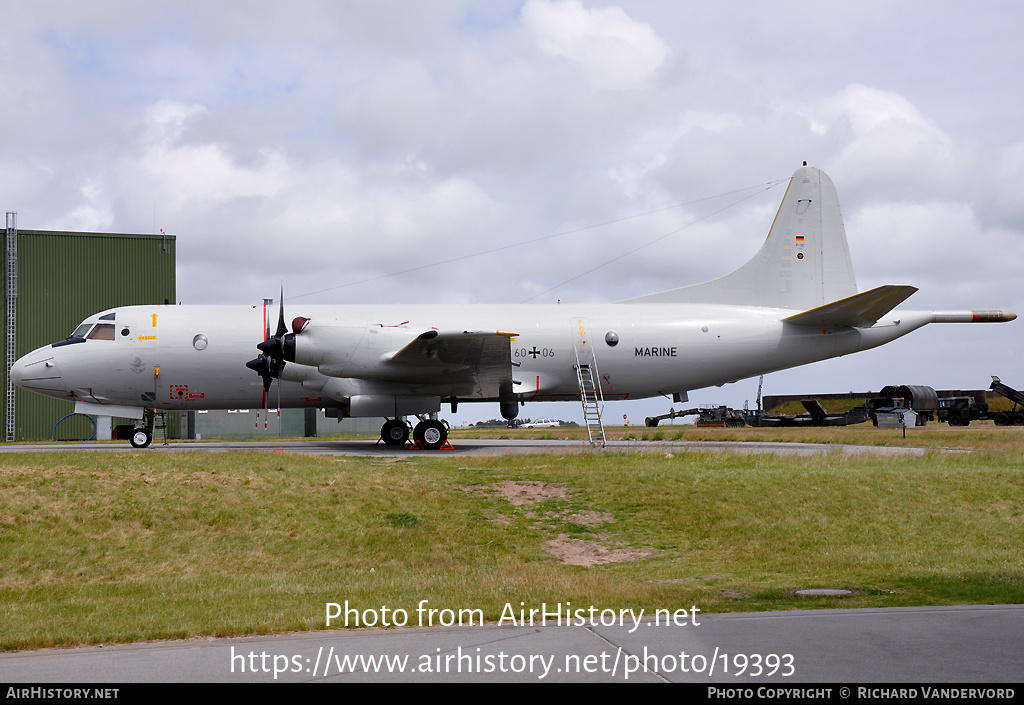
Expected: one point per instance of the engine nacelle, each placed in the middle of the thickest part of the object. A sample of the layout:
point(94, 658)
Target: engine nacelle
point(331, 344)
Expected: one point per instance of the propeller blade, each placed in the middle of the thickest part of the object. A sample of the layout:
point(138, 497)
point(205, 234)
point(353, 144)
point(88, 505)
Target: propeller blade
point(281, 327)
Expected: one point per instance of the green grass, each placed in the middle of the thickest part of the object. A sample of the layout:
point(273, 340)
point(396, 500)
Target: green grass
point(98, 547)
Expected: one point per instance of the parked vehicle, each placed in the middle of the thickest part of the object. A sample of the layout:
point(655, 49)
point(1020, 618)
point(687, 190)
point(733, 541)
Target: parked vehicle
point(960, 411)
point(542, 423)
point(1014, 417)
point(923, 400)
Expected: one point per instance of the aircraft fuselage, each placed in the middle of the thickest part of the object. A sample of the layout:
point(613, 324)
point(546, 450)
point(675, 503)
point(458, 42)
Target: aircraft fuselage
point(193, 357)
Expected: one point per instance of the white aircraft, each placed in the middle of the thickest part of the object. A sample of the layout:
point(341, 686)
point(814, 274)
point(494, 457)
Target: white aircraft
point(794, 303)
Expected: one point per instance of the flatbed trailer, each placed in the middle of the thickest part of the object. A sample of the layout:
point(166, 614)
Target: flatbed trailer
point(816, 416)
point(721, 416)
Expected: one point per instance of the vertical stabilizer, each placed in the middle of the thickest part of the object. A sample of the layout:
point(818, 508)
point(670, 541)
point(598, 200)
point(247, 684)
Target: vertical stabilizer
point(804, 263)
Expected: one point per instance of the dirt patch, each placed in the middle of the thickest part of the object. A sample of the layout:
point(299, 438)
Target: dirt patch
point(496, 517)
point(590, 553)
point(523, 493)
point(570, 551)
point(589, 517)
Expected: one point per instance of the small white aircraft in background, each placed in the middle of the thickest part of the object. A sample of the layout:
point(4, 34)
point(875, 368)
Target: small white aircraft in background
point(794, 303)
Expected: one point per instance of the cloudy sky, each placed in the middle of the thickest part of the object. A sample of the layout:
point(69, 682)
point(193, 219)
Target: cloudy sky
point(361, 151)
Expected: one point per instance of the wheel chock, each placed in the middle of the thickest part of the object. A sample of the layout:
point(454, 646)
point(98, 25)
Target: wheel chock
point(381, 440)
point(416, 445)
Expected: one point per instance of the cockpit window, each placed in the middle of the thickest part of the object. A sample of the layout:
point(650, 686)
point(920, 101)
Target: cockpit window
point(102, 331)
point(81, 330)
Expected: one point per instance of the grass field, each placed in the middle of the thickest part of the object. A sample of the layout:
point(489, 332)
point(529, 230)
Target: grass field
point(98, 547)
point(977, 436)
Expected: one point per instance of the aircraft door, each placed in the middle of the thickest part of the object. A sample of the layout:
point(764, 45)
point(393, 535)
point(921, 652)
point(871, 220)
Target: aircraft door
point(135, 336)
point(581, 341)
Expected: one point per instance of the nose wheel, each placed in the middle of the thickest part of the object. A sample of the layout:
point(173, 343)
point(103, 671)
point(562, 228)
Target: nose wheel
point(141, 438)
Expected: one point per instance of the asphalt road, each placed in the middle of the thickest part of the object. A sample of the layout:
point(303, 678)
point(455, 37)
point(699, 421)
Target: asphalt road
point(923, 645)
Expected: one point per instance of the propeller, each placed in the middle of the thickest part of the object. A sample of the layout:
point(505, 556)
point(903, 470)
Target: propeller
point(273, 351)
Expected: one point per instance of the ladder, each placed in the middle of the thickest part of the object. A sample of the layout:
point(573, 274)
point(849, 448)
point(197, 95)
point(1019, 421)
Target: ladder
point(11, 317)
point(590, 392)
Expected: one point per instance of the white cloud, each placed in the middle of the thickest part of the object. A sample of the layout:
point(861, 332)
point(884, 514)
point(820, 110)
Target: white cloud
point(613, 50)
point(882, 136)
point(183, 177)
point(1004, 189)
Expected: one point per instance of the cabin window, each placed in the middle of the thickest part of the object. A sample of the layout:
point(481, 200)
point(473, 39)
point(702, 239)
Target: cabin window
point(102, 331)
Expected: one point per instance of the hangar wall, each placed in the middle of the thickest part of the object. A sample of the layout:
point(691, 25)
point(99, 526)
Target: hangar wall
point(63, 277)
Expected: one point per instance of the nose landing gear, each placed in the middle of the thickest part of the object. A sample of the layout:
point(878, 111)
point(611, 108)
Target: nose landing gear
point(141, 435)
point(141, 438)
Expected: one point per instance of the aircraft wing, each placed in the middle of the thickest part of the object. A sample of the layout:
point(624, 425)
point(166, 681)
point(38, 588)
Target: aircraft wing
point(857, 311)
point(479, 363)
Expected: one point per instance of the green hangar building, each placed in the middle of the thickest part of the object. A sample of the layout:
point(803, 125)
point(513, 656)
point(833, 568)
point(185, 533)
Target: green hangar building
point(54, 280)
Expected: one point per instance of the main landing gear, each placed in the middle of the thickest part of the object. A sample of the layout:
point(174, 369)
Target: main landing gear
point(431, 434)
point(395, 432)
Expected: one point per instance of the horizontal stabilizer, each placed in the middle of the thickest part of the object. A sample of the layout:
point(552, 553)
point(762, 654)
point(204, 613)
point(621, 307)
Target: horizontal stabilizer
point(857, 311)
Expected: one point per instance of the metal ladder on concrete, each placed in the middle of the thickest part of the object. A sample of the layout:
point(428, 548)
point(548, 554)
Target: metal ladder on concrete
point(590, 392)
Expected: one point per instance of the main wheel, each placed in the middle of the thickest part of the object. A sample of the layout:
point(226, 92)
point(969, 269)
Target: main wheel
point(141, 438)
point(430, 433)
point(394, 432)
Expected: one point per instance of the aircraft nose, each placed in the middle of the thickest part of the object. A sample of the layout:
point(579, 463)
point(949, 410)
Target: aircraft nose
point(38, 371)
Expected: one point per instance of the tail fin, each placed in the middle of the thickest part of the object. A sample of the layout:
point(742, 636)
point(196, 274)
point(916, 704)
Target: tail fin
point(804, 263)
